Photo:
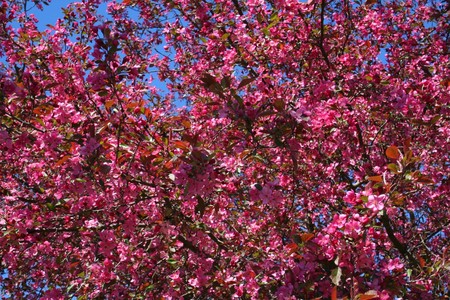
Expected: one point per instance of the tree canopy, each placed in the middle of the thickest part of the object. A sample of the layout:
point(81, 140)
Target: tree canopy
point(228, 149)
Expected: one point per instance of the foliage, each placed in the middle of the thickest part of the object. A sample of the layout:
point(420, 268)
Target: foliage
point(311, 159)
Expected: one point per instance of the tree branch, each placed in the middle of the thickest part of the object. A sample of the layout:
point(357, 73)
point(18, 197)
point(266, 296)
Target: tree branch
point(397, 244)
point(322, 33)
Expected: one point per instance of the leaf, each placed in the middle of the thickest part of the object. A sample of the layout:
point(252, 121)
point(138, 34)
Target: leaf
point(102, 129)
point(225, 36)
point(132, 105)
point(50, 206)
point(109, 103)
point(70, 287)
point(274, 17)
point(371, 2)
point(104, 169)
point(186, 123)
point(392, 152)
point(43, 109)
point(274, 20)
point(408, 156)
point(407, 144)
point(425, 179)
point(368, 295)
point(246, 81)
point(211, 84)
point(421, 261)
point(446, 266)
point(334, 293)
point(435, 119)
point(446, 82)
point(102, 93)
point(376, 178)
point(279, 104)
point(431, 122)
point(293, 247)
point(306, 237)
point(409, 273)
point(181, 145)
point(168, 164)
point(239, 99)
point(208, 80)
point(62, 160)
point(336, 275)
point(399, 201)
point(200, 207)
point(225, 82)
point(40, 121)
point(393, 168)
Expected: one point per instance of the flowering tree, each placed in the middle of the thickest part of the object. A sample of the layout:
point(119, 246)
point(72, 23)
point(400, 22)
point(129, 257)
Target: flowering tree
point(311, 159)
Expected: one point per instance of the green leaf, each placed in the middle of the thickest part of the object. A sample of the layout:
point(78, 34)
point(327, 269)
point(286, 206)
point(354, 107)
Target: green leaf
point(336, 275)
point(435, 119)
point(274, 17)
point(50, 206)
point(274, 20)
point(225, 36)
point(259, 158)
point(447, 266)
point(70, 287)
point(393, 168)
point(258, 187)
point(409, 273)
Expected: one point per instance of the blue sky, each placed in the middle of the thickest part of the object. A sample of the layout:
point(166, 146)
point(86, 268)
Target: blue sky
point(51, 12)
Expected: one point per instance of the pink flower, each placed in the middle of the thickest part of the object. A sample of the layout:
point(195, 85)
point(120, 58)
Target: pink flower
point(394, 264)
point(97, 80)
point(5, 139)
point(92, 223)
point(284, 292)
point(376, 203)
point(89, 147)
point(266, 194)
point(350, 197)
point(352, 226)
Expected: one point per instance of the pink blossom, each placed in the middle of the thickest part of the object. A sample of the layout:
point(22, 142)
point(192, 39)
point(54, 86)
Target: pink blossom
point(92, 223)
point(376, 202)
point(350, 197)
point(89, 147)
